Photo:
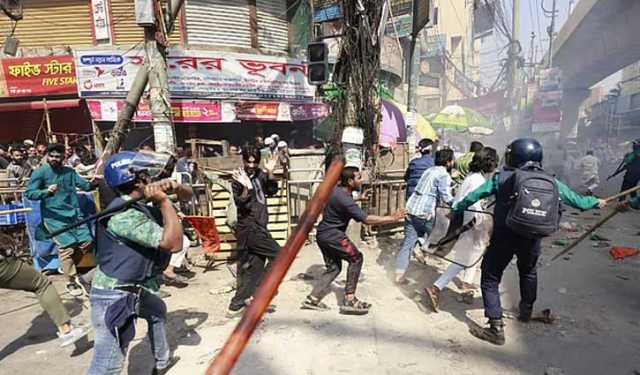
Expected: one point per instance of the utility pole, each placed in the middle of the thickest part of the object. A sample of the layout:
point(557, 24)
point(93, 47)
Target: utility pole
point(551, 29)
point(532, 63)
point(412, 94)
point(421, 16)
point(514, 51)
point(116, 137)
point(156, 42)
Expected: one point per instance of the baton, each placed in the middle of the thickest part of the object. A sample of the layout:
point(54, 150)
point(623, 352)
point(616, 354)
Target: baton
point(108, 211)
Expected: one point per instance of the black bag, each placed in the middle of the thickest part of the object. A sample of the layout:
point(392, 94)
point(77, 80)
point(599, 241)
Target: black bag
point(535, 205)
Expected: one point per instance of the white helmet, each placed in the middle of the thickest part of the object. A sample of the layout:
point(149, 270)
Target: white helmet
point(282, 144)
point(268, 141)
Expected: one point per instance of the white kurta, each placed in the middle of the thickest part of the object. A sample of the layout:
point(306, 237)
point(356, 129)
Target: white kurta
point(472, 243)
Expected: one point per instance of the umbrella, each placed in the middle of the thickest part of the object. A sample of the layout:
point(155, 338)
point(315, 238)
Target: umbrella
point(393, 126)
point(461, 119)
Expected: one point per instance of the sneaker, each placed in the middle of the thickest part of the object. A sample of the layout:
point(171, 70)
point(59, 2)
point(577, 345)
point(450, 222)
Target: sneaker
point(75, 289)
point(177, 281)
point(72, 336)
point(232, 314)
point(172, 361)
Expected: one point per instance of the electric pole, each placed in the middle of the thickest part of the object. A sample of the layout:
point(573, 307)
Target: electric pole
point(550, 29)
point(421, 16)
point(156, 42)
point(532, 63)
point(116, 137)
point(514, 51)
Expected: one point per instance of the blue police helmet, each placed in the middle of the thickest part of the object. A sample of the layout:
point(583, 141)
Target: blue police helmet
point(117, 170)
point(523, 150)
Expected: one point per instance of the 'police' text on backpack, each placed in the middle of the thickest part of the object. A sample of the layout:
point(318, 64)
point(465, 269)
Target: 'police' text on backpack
point(535, 206)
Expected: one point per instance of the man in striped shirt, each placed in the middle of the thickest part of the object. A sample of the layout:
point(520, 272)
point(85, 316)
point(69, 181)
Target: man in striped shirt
point(433, 188)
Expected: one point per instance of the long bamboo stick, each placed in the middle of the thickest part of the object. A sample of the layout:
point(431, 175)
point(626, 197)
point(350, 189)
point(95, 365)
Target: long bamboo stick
point(585, 234)
point(240, 336)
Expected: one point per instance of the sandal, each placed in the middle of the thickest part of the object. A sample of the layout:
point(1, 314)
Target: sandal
point(311, 303)
point(467, 297)
point(354, 307)
point(433, 298)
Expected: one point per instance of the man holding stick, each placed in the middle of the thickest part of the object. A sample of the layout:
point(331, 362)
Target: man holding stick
point(523, 159)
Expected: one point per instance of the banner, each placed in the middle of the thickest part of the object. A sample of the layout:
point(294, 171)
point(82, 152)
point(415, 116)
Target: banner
point(37, 76)
point(183, 111)
point(201, 111)
point(197, 74)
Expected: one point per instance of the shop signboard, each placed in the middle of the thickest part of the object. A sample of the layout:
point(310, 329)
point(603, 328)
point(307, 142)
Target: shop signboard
point(545, 127)
point(192, 111)
point(37, 76)
point(196, 75)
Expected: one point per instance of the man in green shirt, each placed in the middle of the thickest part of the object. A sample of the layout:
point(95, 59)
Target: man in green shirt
point(462, 163)
point(55, 186)
point(505, 243)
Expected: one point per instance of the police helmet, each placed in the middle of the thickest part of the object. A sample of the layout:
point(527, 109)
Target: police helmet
point(523, 150)
point(122, 167)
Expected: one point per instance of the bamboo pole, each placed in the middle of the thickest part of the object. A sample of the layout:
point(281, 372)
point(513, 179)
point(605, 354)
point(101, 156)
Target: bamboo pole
point(240, 336)
point(585, 234)
point(622, 194)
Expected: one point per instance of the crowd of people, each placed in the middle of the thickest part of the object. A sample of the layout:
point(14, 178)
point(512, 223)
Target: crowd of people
point(141, 244)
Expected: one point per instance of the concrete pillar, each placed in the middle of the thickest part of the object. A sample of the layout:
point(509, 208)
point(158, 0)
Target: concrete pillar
point(572, 99)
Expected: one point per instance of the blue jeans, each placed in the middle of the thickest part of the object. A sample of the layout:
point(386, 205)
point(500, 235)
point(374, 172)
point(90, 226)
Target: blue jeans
point(108, 359)
point(414, 228)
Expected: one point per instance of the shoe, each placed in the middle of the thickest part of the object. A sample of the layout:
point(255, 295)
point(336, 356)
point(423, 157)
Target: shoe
point(494, 334)
point(433, 296)
point(232, 314)
point(177, 281)
point(354, 307)
point(400, 279)
point(72, 336)
point(85, 284)
point(524, 315)
point(172, 361)
point(74, 289)
point(311, 303)
point(468, 297)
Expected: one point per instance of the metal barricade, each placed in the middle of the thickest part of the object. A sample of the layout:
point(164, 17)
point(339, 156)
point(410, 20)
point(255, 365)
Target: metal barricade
point(385, 198)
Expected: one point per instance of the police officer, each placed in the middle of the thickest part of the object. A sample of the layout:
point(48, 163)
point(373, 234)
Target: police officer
point(631, 164)
point(133, 247)
point(505, 243)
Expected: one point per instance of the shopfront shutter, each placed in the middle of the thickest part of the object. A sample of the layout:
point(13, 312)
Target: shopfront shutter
point(52, 23)
point(218, 22)
point(126, 31)
point(273, 28)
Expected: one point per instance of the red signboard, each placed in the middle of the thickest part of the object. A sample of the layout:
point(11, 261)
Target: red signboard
point(38, 76)
point(183, 111)
point(257, 111)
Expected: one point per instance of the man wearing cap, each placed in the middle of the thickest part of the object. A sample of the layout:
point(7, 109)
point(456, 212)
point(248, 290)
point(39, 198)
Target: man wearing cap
point(133, 247)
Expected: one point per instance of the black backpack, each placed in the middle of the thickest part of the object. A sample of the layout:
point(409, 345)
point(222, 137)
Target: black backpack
point(535, 204)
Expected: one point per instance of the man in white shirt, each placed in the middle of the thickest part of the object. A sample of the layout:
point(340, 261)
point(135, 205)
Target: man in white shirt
point(589, 167)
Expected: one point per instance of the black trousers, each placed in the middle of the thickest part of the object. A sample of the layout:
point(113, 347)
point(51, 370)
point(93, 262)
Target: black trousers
point(257, 250)
point(628, 183)
point(334, 252)
point(504, 245)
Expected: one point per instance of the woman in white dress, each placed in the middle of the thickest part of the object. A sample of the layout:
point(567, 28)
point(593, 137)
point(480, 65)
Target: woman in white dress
point(472, 243)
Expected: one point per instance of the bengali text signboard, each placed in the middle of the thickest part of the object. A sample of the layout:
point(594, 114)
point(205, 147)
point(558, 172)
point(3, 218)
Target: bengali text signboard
point(197, 74)
point(37, 76)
